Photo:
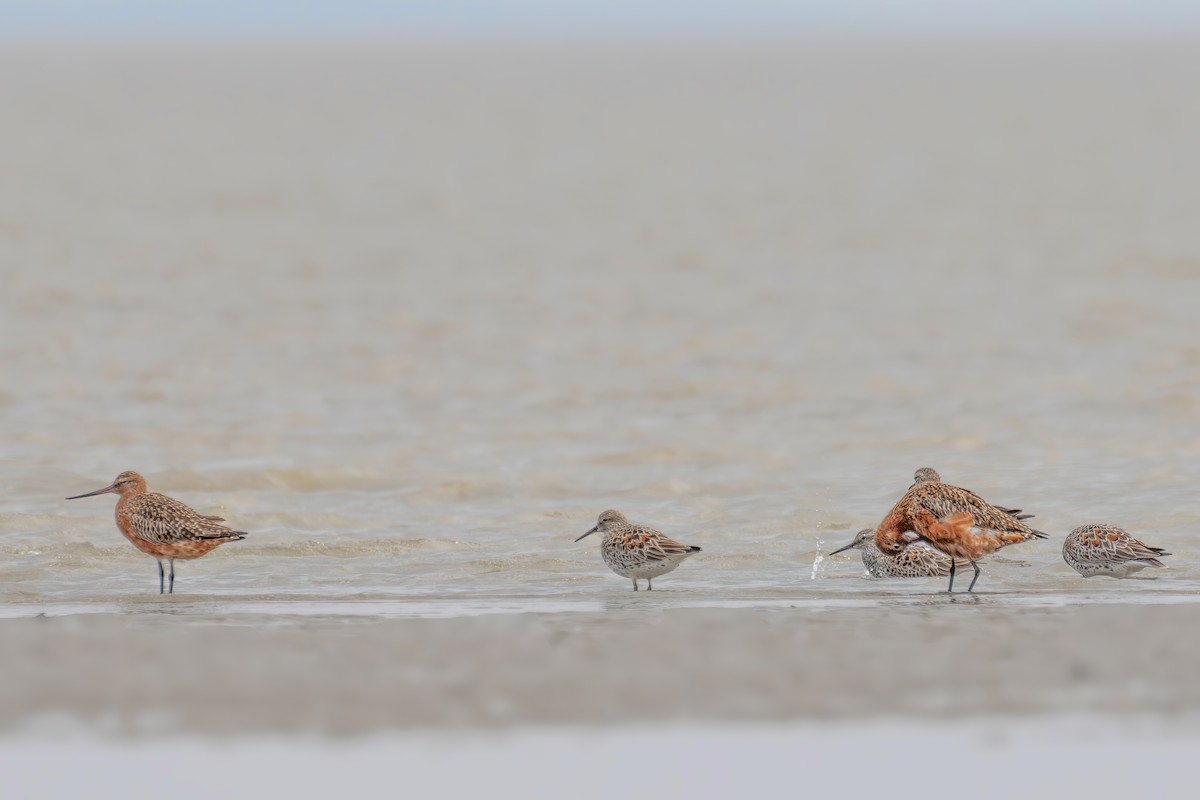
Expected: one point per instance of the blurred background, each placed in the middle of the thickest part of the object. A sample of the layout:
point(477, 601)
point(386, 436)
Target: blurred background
point(413, 291)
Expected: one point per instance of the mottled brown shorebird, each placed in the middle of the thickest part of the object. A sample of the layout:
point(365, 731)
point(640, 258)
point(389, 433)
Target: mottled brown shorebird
point(634, 551)
point(1108, 550)
point(956, 521)
point(916, 560)
point(930, 475)
point(163, 527)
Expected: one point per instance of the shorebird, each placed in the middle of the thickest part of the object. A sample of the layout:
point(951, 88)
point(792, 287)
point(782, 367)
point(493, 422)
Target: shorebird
point(163, 527)
point(926, 475)
point(916, 560)
point(956, 521)
point(930, 475)
point(1108, 550)
point(636, 552)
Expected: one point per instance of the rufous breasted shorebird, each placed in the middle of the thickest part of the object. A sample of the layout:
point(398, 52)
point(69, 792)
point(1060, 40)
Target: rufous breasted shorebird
point(163, 527)
point(956, 521)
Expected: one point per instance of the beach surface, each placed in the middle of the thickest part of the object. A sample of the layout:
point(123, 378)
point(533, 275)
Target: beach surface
point(193, 670)
point(661, 700)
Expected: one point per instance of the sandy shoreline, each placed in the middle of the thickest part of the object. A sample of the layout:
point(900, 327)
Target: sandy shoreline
point(996, 758)
point(203, 674)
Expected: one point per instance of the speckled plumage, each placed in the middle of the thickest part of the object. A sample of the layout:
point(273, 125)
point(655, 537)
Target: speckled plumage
point(917, 560)
point(1108, 550)
point(956, 521)
point(930, 475)
point(635, 551)
point(163, 527)
point(926, 475)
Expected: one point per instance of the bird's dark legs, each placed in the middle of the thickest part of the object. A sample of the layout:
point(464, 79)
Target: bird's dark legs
point(648, 586)
point(635, 584)
point(951, 587)
point(160, 577)
point(172, 583)
point(975, 578)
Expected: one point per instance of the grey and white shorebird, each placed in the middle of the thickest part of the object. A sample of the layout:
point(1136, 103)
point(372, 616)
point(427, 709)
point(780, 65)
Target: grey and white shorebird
point(914, 561)
point(1108, 550)
point(635, 551)
point(927, 475)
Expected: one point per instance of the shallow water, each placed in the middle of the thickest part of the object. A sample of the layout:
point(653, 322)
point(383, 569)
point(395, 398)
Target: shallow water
point(413, 317)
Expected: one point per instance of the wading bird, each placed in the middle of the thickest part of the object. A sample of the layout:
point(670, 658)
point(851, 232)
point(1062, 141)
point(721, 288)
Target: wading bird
point(1108, 550)
point(633, 551)
point(956, 521)
point(163, 527)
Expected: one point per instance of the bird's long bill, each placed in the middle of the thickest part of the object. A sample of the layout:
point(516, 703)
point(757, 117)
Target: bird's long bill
point(105, 490)
point(842, 549)
point(589, 533)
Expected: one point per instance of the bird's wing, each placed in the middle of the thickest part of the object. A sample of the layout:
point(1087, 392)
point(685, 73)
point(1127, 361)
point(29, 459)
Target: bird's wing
point(943, 500)
point(1103, 544)
point(655, 545)
point(159, 519)
point(1016, 513)
point(918, 560)
point(1139, 549)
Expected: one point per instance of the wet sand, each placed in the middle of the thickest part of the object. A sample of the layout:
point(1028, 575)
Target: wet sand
point(949, 658)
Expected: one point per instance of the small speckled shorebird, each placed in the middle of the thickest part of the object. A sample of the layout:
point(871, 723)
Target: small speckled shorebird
point(956, 521)
point(636, 552)
point(1108, 550)
point(163, 527)
point(916, 560)
point(927, 475)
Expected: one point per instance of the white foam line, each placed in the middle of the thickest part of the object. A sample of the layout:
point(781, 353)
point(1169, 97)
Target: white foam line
point(452, 607)
point(386, 609)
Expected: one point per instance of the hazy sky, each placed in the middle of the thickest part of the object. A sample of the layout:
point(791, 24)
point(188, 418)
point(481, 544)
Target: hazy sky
point(125, 18)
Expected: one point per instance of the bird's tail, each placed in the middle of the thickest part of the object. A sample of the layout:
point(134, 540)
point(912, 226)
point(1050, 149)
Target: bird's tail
point(1146, 554)
point(225, 536)
point(1014, 537)
point(1015, 513)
